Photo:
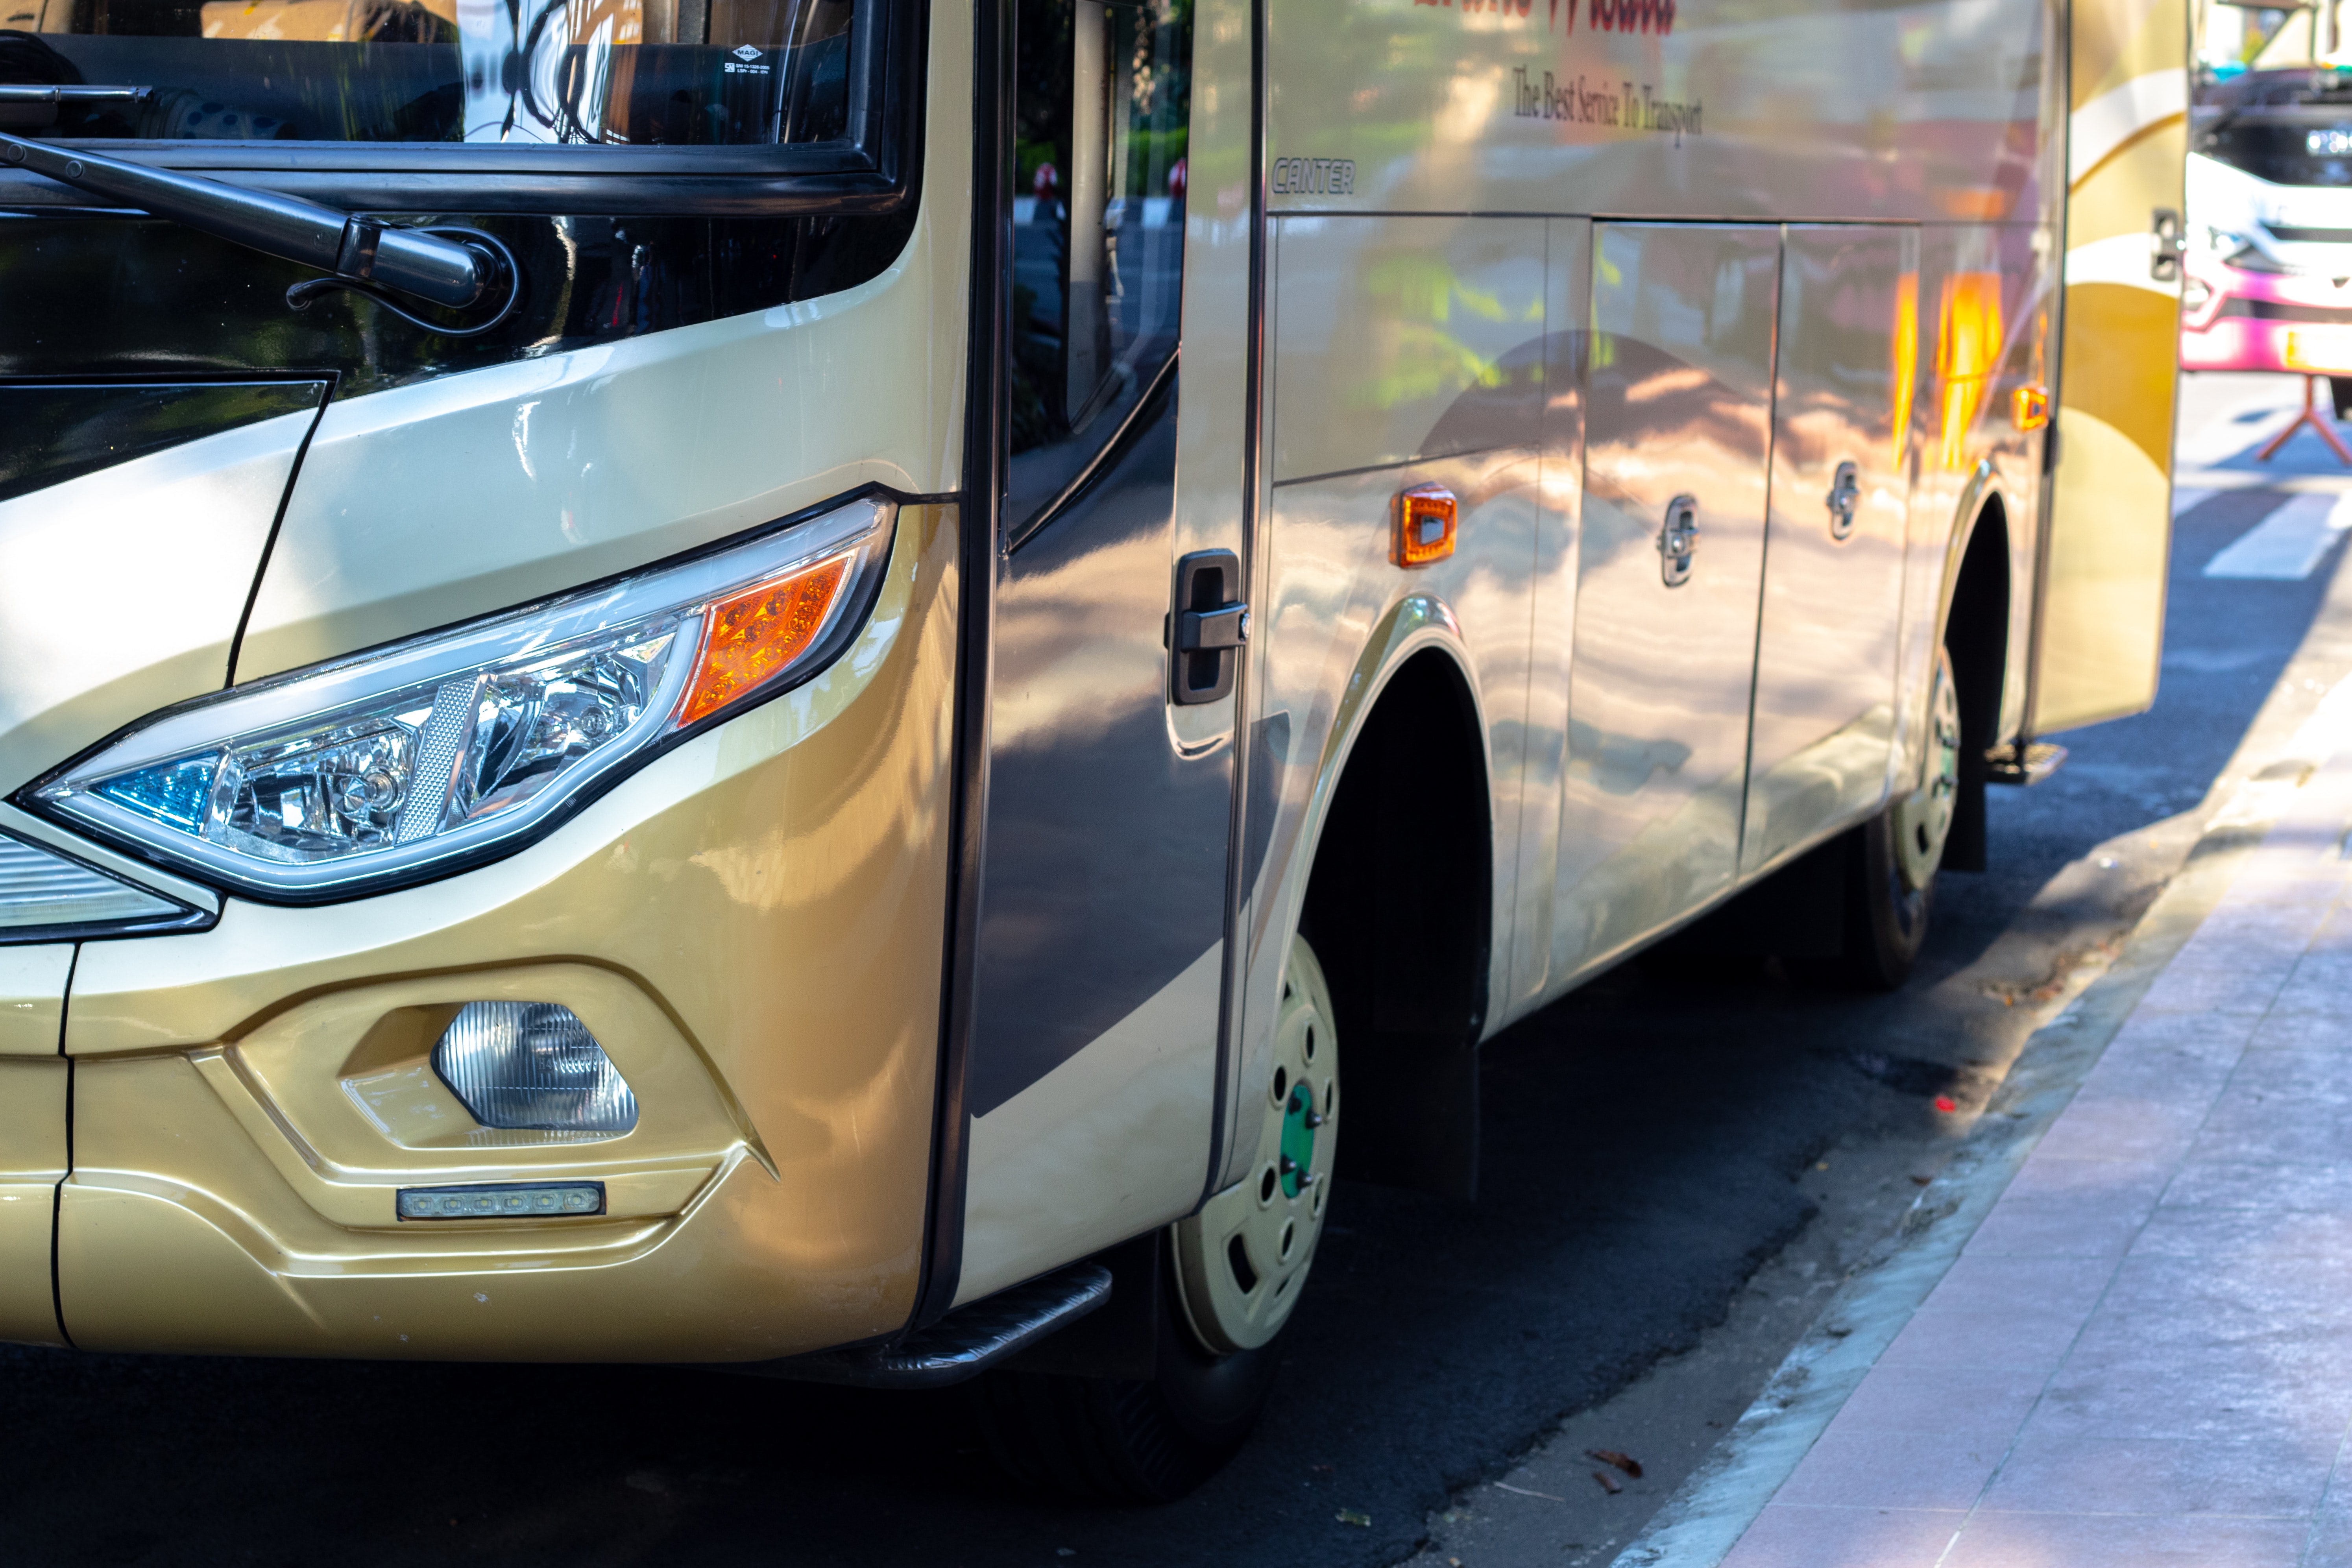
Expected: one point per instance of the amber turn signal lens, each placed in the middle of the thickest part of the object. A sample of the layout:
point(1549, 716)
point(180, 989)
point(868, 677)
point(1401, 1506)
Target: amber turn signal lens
point(2029, 407)
point(1425, 525)
point(749, 639)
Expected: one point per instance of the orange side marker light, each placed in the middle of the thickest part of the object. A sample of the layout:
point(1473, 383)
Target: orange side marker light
point(2029, 407)
point(1425, 525)
point(751, 638)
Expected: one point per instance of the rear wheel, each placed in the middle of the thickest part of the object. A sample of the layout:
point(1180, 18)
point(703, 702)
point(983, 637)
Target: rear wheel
point(1892, 862)
point(1234, 1274)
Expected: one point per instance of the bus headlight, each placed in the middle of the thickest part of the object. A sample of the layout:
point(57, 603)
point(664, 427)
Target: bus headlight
point(412, 760)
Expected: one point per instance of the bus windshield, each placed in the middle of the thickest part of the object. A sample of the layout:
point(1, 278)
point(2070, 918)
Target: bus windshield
point(605, 72)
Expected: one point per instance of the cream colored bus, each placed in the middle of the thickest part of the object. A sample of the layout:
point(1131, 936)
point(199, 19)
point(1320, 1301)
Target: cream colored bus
point(854, 689)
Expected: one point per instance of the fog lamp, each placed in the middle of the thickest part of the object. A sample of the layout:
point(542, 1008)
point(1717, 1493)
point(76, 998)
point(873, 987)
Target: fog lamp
point(532, 1065)
point(517, 1202)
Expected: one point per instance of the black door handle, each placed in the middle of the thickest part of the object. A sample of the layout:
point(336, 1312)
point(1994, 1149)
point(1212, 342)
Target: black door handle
point(1198, 631)
point(1209, 624)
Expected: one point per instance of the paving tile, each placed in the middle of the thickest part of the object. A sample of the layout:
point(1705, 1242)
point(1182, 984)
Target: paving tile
point(2300, 844)
point(2237, 960)
point(2304, 1029)
point(2222, 982)
point(2172, 1036)
point(2312, 824)
point(2252, 935)
point(1860, 1468)
point(2335, 933)
point(2320, 983)
point(2046, 1175)
point(2237, 1361)
point(2165, 1081)
point(2292, 1106)
point(2286, 1080)
point(2032, 1284)
point(2331, 1528)
point(2319, 1239)
point(1980, 1340)
point(2259, 1183)
point(2233, 1291)
point(2053, 1468)
point(1789, 1537)
point(2205, 1395)
point(2061, 1228)
point(2059, 1207)
point(2297, 880)
point(1971, 1401)
point(2120, 1129)
point(2079, 1541)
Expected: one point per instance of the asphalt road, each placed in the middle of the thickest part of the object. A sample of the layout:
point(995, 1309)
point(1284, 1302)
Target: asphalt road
point(1651, 1143)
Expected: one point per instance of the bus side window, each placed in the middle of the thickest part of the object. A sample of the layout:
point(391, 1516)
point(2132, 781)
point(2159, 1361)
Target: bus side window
point(1098, 178)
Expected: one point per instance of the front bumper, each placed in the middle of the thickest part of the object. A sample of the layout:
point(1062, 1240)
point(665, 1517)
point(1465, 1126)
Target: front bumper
point(751, 924)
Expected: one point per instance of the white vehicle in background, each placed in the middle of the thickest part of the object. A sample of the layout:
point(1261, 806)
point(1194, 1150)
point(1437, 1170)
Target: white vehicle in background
point(2268, 262)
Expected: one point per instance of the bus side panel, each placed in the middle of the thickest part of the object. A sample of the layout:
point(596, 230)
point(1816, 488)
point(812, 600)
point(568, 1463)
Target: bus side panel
point(1407, 351)
point(2101, 613)
point(1568, 280)
point(1697, 111)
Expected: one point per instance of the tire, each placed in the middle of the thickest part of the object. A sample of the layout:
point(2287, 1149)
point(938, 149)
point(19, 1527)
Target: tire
point(1891, 860)
point(1230, 1279)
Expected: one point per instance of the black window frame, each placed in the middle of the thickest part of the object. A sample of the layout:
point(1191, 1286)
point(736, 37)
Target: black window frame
point(873, 170)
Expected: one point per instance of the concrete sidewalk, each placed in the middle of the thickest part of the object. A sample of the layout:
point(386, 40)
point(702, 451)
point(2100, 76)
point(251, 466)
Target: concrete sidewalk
point(2143, 1354)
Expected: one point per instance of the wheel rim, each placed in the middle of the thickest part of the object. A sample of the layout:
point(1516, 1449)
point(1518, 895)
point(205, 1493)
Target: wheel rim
point(1241, 1261)
point(1923, 820)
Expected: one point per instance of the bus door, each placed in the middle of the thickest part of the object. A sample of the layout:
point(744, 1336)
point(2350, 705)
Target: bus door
point(1099, 963)
point(1826, 650)
point(2099, 624)
point(1677, 439)
point(32, 1125)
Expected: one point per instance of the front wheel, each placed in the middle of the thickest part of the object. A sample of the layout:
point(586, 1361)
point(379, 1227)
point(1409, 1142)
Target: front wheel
point(1241, 1261)
point(1232, 1275)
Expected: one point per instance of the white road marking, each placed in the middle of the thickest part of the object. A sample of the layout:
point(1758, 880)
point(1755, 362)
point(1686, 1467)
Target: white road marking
point(2289, 543)
point(2186, 496)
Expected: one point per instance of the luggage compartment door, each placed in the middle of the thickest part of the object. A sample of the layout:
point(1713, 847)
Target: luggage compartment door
point(2099, 618)
point(1826, 650)
point(1672, 558)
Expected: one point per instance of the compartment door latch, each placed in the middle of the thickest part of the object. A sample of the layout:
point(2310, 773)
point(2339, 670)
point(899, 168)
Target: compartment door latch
point(1678, 540)
point(1208, 627)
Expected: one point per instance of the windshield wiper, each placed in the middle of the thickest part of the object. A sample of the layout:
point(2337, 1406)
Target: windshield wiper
point(457, 268)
